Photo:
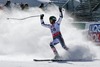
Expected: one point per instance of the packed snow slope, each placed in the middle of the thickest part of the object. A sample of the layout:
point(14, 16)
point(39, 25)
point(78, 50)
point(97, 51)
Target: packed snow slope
point(27, 39)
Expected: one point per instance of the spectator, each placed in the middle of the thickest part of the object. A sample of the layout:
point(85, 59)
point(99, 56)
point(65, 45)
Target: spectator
point(8, 4)
point(42, 5)
point(26, 6)
point(22, 6)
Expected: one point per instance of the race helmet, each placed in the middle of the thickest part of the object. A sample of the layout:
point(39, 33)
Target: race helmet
point(52, 19)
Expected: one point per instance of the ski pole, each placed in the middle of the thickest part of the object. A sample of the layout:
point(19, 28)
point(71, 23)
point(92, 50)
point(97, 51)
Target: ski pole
point(65, 3)
point(23, 18)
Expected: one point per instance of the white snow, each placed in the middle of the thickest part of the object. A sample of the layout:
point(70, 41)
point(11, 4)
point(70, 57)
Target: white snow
point(23, 40)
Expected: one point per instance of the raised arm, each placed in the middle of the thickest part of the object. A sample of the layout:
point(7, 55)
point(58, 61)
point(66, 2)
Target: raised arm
point(42, 21)
point(61, 15)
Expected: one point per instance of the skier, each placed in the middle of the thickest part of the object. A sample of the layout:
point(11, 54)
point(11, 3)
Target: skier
point(55, 30)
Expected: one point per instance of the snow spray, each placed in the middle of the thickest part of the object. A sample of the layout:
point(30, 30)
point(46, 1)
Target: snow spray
point(28, 37)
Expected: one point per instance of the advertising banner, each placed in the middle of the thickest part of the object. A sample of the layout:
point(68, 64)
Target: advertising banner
point(94, 31)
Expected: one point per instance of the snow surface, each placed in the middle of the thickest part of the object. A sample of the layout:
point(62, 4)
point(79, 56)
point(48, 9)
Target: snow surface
point(23, 40)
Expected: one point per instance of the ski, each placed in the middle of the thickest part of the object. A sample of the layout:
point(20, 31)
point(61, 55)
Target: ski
point(54, 60)
point(60, 60)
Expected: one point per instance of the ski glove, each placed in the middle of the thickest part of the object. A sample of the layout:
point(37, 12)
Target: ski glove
point(41, 16)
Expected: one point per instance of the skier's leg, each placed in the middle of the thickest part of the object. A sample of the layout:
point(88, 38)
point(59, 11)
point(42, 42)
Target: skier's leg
point(61, 40)
point(53, 48)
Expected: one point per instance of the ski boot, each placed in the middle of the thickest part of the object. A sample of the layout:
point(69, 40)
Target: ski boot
point(56, 54)
point(66, 48)
point(56, 57)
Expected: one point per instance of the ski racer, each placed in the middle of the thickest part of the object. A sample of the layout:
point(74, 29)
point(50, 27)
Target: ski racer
point(54, 26)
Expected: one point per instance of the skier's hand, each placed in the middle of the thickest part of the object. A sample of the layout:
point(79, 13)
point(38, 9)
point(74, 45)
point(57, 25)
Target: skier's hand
point(60, 9)
point(41, 16)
